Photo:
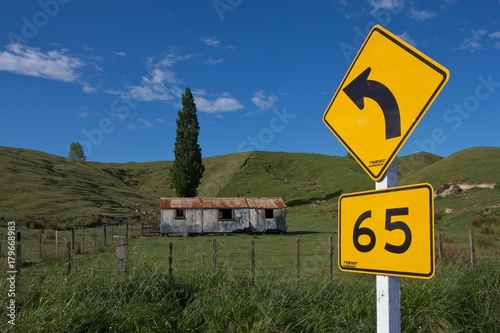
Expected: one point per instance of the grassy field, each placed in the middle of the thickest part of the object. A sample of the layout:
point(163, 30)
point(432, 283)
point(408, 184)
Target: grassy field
point(45, 193)
point(200, 298)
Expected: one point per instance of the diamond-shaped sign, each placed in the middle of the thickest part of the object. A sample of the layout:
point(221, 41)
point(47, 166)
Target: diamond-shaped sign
point(384, 95)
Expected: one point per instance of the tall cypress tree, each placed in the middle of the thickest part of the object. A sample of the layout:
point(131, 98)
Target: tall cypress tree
point(187, 168)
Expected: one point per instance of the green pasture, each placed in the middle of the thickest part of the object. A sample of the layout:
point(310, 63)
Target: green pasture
point(212, 288)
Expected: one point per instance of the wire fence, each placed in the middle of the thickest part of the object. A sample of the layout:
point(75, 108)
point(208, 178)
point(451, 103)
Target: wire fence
point(119, 248)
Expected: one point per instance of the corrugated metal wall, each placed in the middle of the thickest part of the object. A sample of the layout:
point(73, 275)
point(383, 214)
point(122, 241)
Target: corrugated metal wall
point(203, 221)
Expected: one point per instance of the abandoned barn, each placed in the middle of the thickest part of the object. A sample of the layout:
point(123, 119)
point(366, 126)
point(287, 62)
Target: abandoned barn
point(222, 215)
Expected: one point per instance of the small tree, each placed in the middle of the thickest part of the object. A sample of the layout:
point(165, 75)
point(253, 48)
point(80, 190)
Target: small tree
point(76, 152)
point(187, 168)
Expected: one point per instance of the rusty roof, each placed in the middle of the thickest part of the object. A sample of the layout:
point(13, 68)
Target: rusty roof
point(266, 203)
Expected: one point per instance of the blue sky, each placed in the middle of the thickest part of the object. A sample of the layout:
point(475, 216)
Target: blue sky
point(110, 74)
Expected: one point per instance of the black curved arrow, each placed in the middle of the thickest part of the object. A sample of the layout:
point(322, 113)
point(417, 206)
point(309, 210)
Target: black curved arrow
point(361, 87)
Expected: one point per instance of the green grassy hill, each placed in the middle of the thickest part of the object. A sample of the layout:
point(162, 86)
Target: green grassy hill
point(463, 211)
point(481, 164)
point(53, 190)
point(297, 178)
point(410, 164)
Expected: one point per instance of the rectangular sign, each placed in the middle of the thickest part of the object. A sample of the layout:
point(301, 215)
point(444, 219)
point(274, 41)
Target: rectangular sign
point(388, 231)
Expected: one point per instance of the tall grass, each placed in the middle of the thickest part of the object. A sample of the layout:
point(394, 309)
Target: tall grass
point(457, 299)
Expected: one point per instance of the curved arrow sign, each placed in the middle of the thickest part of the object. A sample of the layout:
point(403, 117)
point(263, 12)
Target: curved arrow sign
point(361, 87)
point(386, 91)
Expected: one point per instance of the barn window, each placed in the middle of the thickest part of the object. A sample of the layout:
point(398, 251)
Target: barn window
point(225, 214)
point(269, 213)
point(180, 214)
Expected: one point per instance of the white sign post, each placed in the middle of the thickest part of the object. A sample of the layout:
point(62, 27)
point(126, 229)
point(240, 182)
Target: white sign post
point(388, 287)
point(385, 93)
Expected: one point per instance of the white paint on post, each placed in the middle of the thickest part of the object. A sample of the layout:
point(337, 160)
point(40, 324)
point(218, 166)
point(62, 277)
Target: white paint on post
point(388, 287)
point(391, 177)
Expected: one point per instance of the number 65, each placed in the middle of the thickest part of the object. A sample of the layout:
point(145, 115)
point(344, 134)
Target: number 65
point(389, 226)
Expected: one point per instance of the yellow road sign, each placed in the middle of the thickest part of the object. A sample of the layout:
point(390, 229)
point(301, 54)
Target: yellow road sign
point(385, 93)
point(388, 232)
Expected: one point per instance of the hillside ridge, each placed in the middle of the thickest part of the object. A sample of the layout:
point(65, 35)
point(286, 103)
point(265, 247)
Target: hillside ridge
point(40, 186)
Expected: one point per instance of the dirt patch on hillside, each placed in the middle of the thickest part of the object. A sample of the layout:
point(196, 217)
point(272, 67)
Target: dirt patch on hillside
point(452, 188)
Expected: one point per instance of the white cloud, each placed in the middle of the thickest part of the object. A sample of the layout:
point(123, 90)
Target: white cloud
point(177, 91)
point(160, 83)
point(120, 53)
point(159, 76)
point(213, 61)
point(263, 102)
point(496, 39)
point(148, 93)
point(142, 123)
point(88, 48)
point(215, 42)
point(30, 61)
point(196, 92)
point(87, 88)
point(171, 59)
point(448, 3)
point(82, 113)
point(495, 35)
point(481, 39)
point(475, 41)
point(160, 120)
point(223, 103)
point(210, 41)
point(421, 15)
point(119, 115)
point(406, 37)
point(387, 4)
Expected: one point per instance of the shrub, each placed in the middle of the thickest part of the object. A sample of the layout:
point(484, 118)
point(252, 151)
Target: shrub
point(489, 225)
point(50, 234)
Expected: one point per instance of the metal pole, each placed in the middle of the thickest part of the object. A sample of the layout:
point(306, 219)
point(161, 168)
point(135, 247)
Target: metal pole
point(388, 287)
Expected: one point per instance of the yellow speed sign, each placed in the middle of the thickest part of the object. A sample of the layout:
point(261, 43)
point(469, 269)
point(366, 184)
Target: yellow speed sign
point(388, 232)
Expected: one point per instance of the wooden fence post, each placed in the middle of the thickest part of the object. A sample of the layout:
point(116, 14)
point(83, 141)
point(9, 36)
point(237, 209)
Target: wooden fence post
point(83, 239)
point(472, 248)
point(95, 240)
point(40, 253)
point(126, 230)
point(440, 249)
point(57, 244)
point(297, 273)
point(104, 235)
point(214, 254)
point(68, 255)
point(73, 239)
point(170, 259)
point(252, 257)
point(330, 257)
point(1, 240)
point(18, 253)
point(121, 258)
